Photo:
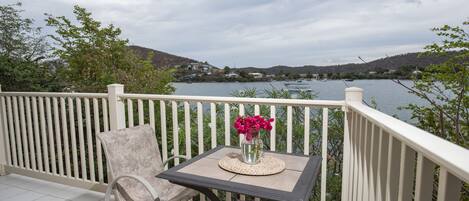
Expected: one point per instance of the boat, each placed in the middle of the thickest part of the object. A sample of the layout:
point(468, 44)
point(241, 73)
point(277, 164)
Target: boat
point(349, 80)
point(299, 82)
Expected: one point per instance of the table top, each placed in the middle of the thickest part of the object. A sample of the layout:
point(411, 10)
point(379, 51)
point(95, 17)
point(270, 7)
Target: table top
point(294, 183)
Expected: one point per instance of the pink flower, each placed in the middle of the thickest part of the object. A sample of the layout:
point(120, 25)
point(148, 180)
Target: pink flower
point(251, 126)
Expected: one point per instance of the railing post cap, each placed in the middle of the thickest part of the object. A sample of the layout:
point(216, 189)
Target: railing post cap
point(115, 85)
point(353, 89)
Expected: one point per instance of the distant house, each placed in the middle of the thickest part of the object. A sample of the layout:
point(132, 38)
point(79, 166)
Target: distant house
point(303, 75)
point(270, 75)
point(232, 75)
point(256, 75)
point(372, 72)
point(197, 66)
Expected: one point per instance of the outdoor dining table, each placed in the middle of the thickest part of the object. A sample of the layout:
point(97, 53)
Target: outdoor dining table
point(202, 173)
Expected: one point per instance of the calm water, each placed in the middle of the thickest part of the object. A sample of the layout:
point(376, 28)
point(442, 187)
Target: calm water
point(388, 95)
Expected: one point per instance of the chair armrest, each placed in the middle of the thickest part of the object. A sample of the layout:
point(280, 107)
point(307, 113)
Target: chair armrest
point(172, 158)
point(143, 181)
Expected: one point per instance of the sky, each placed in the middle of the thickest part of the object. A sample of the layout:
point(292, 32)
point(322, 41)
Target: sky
point(264, 33)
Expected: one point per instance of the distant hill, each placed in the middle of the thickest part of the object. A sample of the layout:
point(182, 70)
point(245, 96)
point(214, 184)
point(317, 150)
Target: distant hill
point(387, 63)
point(162, 59)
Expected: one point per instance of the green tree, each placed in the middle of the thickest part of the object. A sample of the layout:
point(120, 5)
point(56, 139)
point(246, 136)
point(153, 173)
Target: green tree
point(96, 56)
point(226, 70)
point(22, 49)
point(445, 88)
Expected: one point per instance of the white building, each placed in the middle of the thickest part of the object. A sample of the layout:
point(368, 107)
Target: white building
point(232, 75)
point(256, 75)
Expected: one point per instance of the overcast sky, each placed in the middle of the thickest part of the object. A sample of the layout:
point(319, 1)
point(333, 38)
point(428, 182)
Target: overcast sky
point(264, 33)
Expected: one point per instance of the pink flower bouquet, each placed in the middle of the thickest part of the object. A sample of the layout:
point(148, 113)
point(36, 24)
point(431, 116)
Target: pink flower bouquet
point(250, 126)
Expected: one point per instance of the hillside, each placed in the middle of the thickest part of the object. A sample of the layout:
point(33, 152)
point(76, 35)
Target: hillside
point(162, 59)
point(388, 63)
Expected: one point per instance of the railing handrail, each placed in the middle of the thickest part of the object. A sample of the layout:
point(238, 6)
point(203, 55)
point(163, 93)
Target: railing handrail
point(55, 94)
point(221, 99)
point(439, 150)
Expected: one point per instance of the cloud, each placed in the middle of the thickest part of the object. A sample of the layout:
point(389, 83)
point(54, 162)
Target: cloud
point(270, 32)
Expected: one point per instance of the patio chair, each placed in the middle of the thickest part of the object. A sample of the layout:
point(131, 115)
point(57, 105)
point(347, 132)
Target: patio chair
point(133, 158)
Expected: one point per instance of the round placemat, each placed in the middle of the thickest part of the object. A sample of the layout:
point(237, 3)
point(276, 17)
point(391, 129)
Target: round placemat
point(267, 165)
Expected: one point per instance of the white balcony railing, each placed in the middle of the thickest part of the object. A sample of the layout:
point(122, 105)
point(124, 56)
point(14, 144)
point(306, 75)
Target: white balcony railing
point(51, 136)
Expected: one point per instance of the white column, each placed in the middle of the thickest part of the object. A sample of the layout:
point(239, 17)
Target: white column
point(352, 94)
point(116, 106)
point(3, 152)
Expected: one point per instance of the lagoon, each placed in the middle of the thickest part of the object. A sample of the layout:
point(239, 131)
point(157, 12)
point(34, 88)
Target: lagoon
point(388, 95)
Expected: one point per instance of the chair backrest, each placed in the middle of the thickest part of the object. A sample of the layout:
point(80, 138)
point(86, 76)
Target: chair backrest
point(131, 151)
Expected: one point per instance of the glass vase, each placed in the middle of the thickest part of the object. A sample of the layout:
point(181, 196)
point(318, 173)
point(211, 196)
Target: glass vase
point(252, 150)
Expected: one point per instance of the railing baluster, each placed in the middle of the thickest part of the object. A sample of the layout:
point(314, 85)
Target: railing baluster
point(187, 129)
point(424, 179)
point(18, 132)
point(63, 112)
point(382, 165)
point(325, 122)
point(365, 157)
point(227, 124)
point(175, 131)
point(374, 161)
point(5, 131)
point(306, 131)
point(256, 110)
point(213, 129)
point(355, 142)
point(73, 140)
point(359, 191)
point(200, 134)
point(392, 185)
point(81, 140)
point(213, 125)
point(227, 136)
point(141, 114)
point(272, 132)
point(151, 113)
point(130, 113)
point(241, 113)
point(406, 174)
point(24, 136)
point(89, 140)
point(29, 123)
point(37, 135)
point(289, 129)
point(44, 135)
point(97, 129)
point(106, 115)
point(164, 139)
point(449, 186)
point(57, 135)
point(106, 128)
point(200, 127)
point(51, 136)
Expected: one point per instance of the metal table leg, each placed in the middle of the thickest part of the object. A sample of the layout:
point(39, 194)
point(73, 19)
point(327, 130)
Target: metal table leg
point(207, 192)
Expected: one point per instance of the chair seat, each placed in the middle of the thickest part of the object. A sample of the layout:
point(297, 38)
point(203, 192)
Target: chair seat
point(132, 190)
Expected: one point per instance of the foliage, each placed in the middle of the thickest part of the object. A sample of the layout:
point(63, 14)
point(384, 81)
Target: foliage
point(96, 56)
point(22, 49)
point(445, 88)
